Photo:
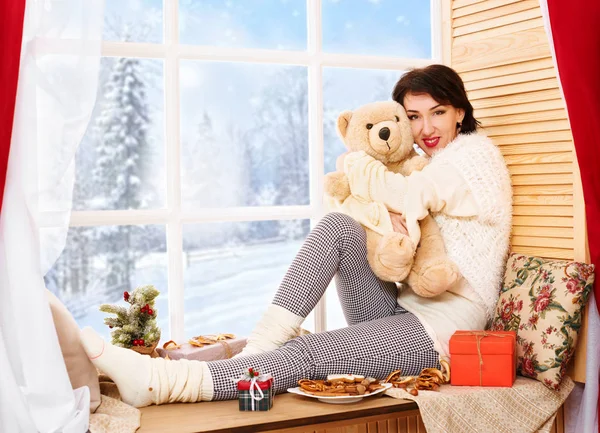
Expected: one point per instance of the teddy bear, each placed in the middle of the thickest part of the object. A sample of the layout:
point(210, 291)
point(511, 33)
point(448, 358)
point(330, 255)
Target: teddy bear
point(382, 130)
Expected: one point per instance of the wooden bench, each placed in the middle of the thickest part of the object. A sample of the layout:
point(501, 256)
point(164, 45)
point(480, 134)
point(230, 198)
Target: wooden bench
point(290, 414)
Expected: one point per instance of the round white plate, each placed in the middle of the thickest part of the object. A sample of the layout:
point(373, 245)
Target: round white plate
point(342, 399)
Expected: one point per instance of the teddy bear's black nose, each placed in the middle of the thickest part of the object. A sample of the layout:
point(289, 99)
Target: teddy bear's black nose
point(384, 133)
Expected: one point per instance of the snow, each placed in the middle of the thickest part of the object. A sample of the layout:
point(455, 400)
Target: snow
point(225, 290)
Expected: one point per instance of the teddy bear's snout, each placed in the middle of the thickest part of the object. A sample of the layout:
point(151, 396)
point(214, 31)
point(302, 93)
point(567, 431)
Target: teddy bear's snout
point(384, 133)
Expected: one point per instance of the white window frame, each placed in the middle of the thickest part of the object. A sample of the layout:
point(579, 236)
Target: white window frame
point(173, 217)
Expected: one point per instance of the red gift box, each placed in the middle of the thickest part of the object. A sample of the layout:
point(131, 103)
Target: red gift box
point(252, 399)
point(483, 358)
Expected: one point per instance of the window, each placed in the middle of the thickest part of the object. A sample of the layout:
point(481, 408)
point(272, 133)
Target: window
point(202, 167)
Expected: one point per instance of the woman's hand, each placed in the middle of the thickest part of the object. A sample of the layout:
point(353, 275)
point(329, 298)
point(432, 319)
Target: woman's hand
point(398, 223)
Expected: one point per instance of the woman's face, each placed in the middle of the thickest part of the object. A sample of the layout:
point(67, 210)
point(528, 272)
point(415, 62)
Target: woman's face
point(433, 125)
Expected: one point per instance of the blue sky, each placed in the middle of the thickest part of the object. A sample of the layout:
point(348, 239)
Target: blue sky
point(382, 27)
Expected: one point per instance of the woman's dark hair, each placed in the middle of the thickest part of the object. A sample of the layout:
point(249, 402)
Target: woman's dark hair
point(443, 84)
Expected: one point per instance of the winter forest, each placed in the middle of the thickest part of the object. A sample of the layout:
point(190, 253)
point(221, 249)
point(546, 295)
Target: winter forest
point(244, 143)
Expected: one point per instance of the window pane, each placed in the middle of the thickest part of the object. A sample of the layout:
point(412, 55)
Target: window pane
point(244, 135)
point(99, 263)
point(347, 89)
point(335, 314)
point(120, 162)
point(232, 271)
point(266, 24)
point(399, 28)
point(133, 21)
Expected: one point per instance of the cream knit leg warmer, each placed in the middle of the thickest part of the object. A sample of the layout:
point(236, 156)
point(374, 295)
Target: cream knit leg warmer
point(276, 327)
point(142, 380)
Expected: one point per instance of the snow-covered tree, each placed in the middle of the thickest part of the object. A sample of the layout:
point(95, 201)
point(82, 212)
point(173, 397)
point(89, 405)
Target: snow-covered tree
point(209, 167)
point(122, 154)
point(212, 177)
point(293, 229)
point(111, 163)
point(123, 148)
point(277, 147)
point(382, 86)
point(333, 145)
point(69, 277)
point(71, 274)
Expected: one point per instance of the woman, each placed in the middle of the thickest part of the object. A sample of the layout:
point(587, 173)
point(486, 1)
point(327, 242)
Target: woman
point(466, 186)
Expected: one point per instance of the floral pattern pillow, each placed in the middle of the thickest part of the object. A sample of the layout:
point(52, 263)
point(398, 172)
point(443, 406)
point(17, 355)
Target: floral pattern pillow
point(542, 300)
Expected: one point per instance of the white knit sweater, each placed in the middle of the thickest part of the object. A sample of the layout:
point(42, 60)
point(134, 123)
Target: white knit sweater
point(467, 188)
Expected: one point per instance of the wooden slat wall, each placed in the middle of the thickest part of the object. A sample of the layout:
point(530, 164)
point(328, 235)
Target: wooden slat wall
point(501, 50)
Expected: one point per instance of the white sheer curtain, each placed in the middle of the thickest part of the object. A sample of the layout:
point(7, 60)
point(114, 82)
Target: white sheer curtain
point(58, 77)
point(581, 408)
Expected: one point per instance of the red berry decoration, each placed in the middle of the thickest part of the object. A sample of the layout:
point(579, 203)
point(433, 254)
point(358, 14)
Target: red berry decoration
point(134, 320)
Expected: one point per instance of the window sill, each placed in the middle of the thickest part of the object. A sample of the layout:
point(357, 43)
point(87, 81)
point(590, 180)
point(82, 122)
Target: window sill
point(290, 413)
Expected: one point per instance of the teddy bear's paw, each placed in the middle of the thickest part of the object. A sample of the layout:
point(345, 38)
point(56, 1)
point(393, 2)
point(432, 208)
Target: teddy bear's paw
point(394, 257)
point(436, 278)
point(337, 185)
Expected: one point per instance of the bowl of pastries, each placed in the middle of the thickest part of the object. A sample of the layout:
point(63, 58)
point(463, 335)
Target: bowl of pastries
point(350, 388)
point(340, 388)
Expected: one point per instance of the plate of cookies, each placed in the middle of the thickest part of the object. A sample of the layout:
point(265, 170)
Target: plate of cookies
point(340, 388)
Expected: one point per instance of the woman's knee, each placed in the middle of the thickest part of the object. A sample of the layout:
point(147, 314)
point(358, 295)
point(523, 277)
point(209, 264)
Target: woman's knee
point(307, 346)
point(342, 225)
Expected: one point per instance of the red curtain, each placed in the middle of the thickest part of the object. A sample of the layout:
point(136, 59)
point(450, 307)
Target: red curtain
point(576, 36)
point(11, 32)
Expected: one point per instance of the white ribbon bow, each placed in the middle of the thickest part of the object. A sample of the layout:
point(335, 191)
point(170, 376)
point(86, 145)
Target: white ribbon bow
point(253, 397)
point(255, 386)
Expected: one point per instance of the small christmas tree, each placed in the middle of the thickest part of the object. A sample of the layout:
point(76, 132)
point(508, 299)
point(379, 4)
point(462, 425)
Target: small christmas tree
point(134, 327)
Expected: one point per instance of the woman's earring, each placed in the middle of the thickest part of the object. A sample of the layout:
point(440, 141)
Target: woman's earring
point(458, 125)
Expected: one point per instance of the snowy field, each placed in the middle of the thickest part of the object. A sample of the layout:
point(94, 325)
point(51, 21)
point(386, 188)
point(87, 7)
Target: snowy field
point(225, 291)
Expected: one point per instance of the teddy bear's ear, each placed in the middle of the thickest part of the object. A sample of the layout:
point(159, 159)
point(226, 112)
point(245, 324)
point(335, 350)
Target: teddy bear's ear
point(342, 123)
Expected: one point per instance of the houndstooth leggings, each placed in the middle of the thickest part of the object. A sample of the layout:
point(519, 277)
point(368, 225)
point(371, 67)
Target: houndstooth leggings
point(381, 336)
